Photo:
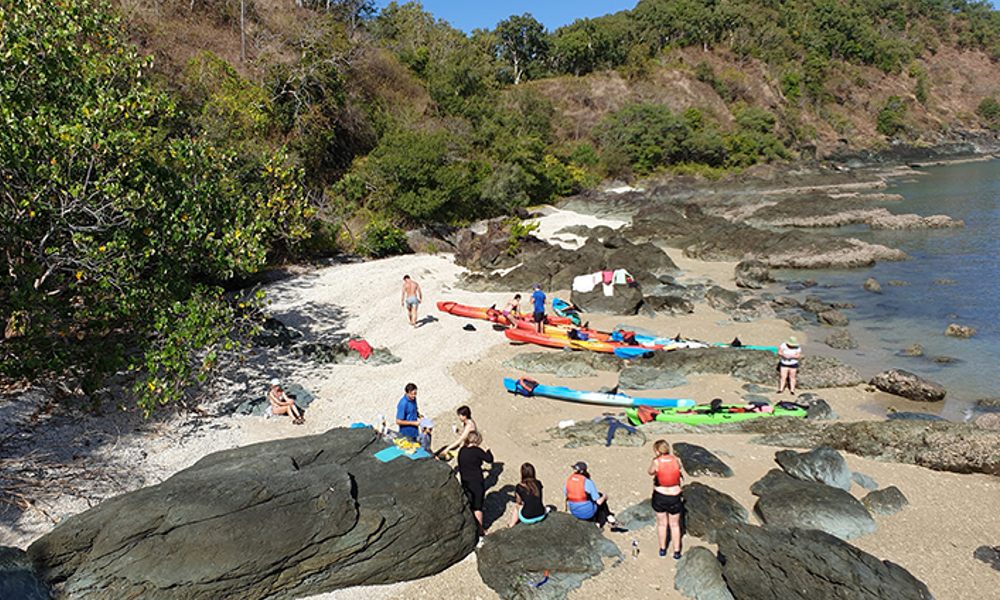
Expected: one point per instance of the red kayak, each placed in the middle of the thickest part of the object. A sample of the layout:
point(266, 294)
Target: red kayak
point(491, 314)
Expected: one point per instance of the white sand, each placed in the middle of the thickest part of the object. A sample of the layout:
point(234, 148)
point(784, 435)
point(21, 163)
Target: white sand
point(949, 516)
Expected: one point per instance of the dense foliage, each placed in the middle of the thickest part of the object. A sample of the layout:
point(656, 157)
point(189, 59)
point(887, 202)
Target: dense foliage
point(117, 223)
point(133, 188)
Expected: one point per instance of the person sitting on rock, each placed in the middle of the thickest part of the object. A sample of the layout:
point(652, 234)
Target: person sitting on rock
point(283, 404)
point(470, 471)
point(584, 501)
point(667, 500)
point(468, 426)
point(529, 508)
point(789, 354)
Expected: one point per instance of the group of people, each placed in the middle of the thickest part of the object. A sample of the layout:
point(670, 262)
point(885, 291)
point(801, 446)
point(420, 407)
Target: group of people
point(583, 500)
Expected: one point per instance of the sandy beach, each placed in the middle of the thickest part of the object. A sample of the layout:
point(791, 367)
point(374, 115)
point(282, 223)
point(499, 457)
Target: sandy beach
point(949, 515)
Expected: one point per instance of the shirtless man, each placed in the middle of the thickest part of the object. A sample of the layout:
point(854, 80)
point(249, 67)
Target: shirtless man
point(411, 298)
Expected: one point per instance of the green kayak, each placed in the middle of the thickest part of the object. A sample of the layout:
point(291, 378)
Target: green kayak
point(704, 415)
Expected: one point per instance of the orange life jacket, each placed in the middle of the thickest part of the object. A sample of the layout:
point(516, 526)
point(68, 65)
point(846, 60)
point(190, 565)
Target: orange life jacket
point(575, 490)
point(668, 472)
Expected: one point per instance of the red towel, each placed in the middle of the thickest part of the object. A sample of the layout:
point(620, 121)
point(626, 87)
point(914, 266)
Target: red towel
point(363, 348)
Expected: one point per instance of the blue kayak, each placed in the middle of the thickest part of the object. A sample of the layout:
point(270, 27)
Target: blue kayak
point(565, 309)
point(516, 386)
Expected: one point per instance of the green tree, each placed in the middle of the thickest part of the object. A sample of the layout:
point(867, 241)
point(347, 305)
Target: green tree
point(116, 220)
point(892, 117)
point(989, 110)
point(522, 44)
point(649, 135)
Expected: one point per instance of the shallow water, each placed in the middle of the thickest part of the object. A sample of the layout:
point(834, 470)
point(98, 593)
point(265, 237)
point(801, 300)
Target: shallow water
point(919, 312)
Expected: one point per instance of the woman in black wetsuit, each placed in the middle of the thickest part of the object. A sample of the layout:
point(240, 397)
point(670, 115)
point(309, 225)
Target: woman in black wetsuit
point(528, 495)
point(470, 470)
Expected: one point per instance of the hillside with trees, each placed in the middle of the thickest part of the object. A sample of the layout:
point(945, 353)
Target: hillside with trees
point(156, 150)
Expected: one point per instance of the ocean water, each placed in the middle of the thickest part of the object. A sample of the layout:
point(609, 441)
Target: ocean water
point(919, 311)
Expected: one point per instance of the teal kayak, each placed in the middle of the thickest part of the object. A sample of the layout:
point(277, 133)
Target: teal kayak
point(516, 386)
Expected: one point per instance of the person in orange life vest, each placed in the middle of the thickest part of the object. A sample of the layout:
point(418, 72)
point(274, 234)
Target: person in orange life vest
point(667, 501)
point(583, 500)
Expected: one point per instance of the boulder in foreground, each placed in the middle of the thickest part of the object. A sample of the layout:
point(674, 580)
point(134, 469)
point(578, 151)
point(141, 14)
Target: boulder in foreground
point(788, 502)
point(569, 549)
point(766, 563)
point(281, 519)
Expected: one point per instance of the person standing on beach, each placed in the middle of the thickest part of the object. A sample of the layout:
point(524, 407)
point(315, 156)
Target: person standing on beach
point(470, 471)
point(789, 355)
point(407, 414)
point(468, 426)
point(584, 501)
point(667, 501)
point(411, 298)
point(538, 299)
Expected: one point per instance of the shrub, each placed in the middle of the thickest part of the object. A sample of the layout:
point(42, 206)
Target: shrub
point(519, 230)
point(989, 110)
point(891, 117)
point(381, 238)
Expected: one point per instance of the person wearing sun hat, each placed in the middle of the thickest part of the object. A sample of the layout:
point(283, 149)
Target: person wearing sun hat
point(584, 501)
point(789, 355)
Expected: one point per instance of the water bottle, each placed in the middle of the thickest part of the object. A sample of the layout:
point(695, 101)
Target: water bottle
point(635, 549)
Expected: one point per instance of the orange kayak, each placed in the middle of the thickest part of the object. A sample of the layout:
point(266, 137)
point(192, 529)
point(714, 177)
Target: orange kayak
point(491, 314)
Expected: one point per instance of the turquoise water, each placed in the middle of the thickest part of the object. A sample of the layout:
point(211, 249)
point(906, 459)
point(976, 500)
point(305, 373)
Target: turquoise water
point(920, 311)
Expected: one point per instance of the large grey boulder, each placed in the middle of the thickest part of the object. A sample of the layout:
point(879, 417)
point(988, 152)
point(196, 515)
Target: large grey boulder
point(569, 549)
point(699, 461)
point(625, 301)
point(668, 304)
point(768, 563)
point(699, 576)
point(823, 464)
point(789, 502)
point(722, 299)
point(909, 386)
point(707, 510)
point(595, 433)
point(280, 519)
point(841, 339)
point(18, 579)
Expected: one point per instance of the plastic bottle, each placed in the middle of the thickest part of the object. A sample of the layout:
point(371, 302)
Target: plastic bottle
point(635, 549)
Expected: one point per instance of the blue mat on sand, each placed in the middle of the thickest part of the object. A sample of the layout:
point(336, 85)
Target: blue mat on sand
point(394, 452)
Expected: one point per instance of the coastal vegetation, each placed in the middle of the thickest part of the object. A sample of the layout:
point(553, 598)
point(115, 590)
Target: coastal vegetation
point(153, 151)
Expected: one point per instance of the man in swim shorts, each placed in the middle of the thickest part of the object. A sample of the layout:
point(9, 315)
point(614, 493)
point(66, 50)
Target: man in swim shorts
point(538, 302)
point(411, 299)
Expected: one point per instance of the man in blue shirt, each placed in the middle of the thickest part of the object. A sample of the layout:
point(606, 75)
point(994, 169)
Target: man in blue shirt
point(538, 298)
point(407, 415)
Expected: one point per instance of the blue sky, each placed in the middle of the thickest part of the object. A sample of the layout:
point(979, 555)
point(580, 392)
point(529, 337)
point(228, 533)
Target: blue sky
point(470, 14)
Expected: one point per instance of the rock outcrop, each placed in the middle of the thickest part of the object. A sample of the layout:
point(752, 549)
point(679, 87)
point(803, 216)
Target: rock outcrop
point(752, 274)
point(766, 563)
point(841, 339)
point(707, 511)
point(18, 580)
point(699, 461)
point(570, 550)
point(909, 386)
point(959, 331)
point(287, 518)
point(823, 465)
point(888, 501)
point(755, 366)
point(938, 445)
point(872, 285)
point(699, 576)
point(788, 502)
point(565, 364)
point(626, 300)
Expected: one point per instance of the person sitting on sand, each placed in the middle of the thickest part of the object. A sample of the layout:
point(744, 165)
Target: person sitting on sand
point(283, 404)
point(538, 300)
point(470, 471)
point(512, 310)
point(407, 413)
point(667, 500)
point(411, 299)
point(468, 426)
point(529, 507)
point(583, 500)
point(789, 354)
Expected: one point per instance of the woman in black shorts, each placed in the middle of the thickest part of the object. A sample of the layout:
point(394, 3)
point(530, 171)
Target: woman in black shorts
point(667, 501)
point(470, 470)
